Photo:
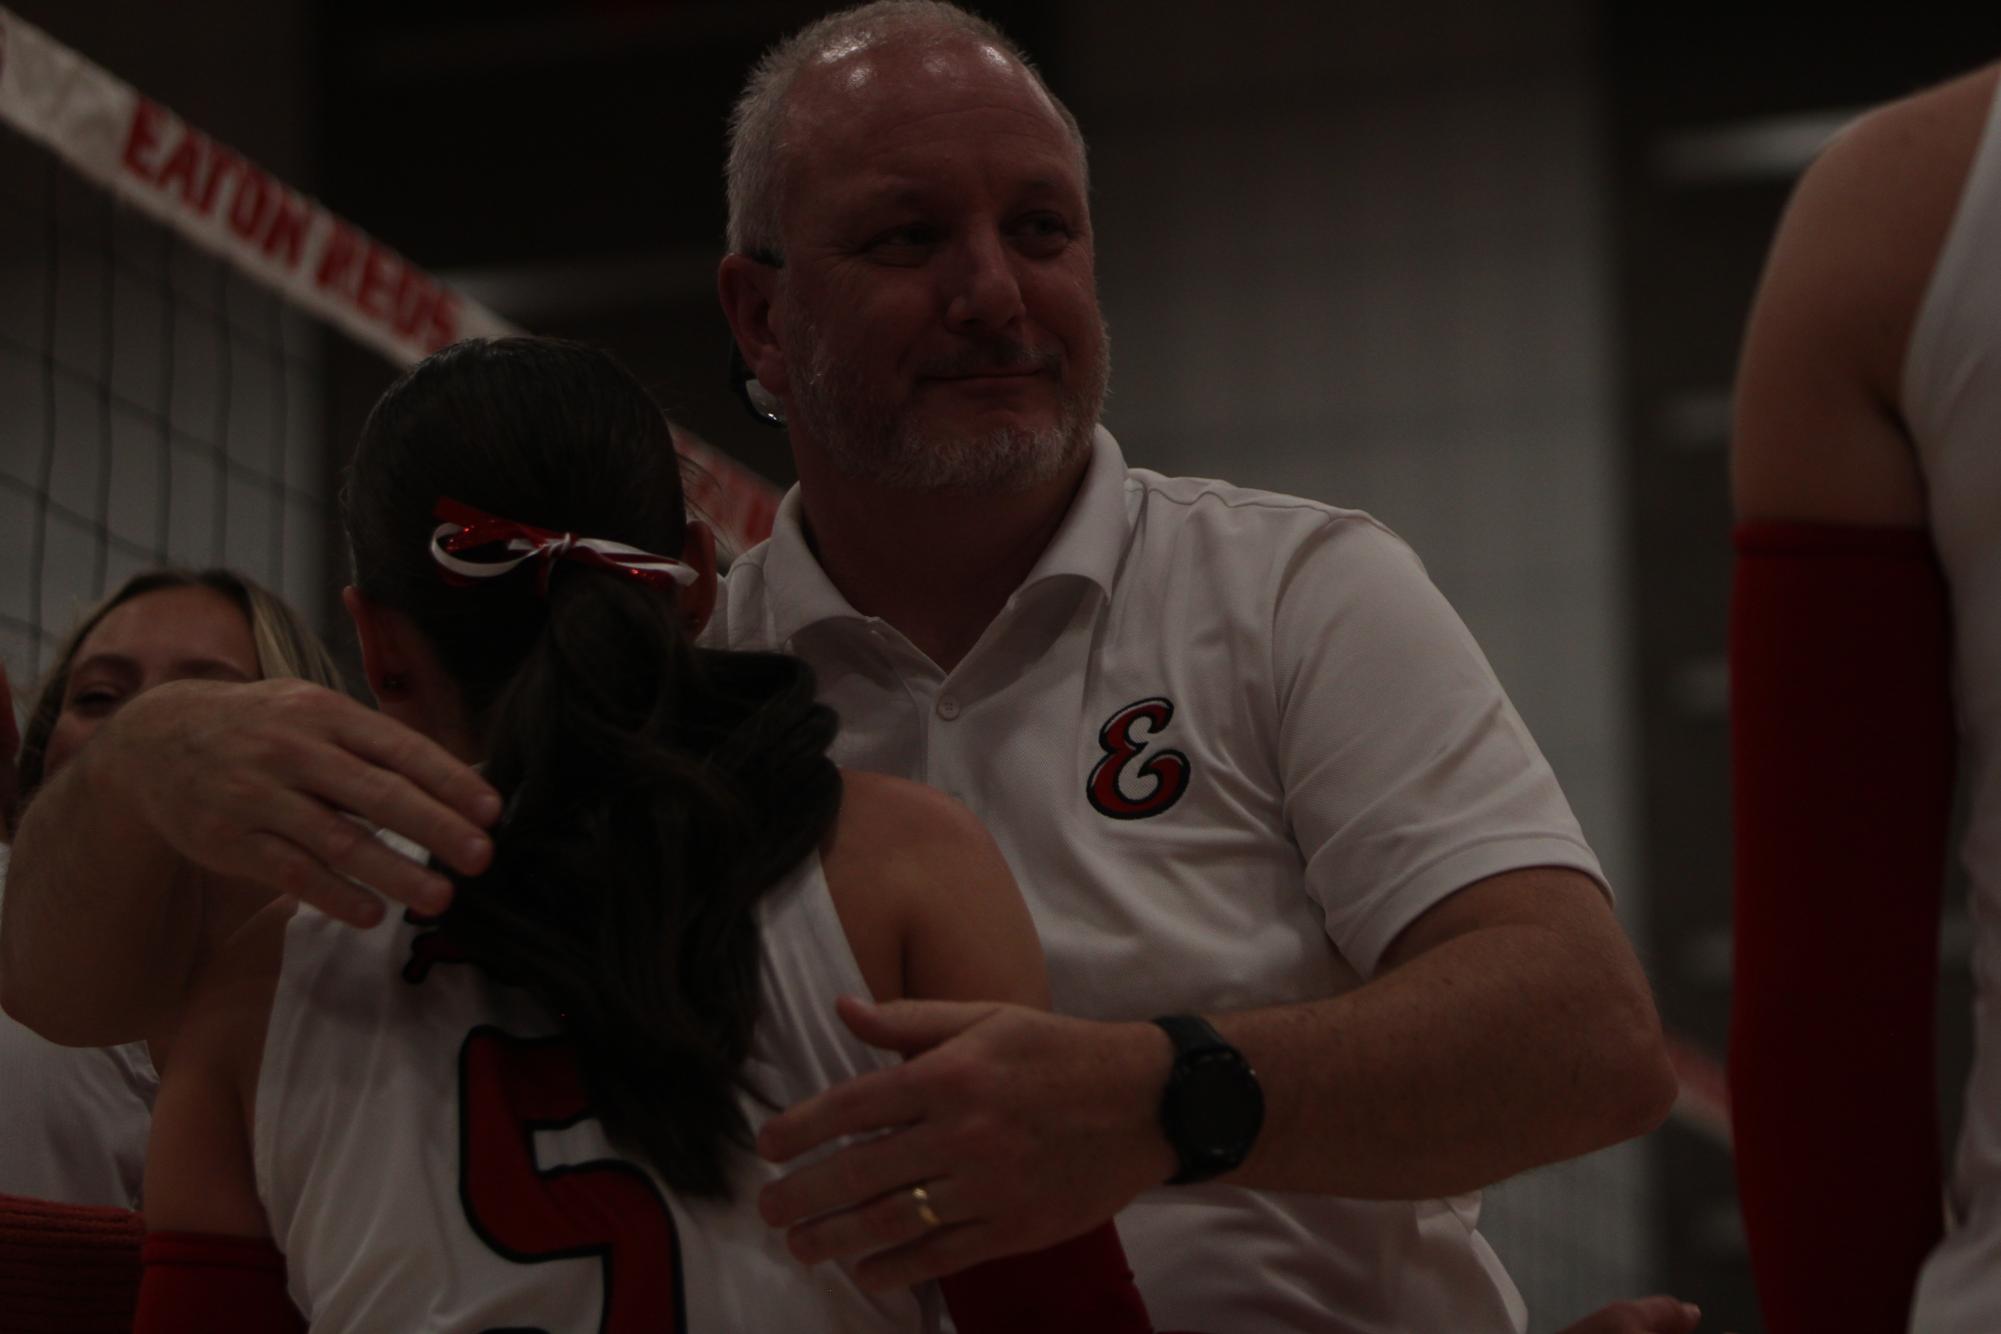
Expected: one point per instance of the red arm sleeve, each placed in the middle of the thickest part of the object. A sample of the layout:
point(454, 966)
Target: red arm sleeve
point(198, 1283)
point(1081, 1286)
point(67, 1268)
point(1842, 767)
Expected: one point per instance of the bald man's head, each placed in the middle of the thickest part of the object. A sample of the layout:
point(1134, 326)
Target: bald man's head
point(844, 52)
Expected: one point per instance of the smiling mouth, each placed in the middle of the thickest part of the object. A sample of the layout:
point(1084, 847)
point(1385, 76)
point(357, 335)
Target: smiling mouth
point(1009, 373)
point(1011, 384)
point(1000, 360)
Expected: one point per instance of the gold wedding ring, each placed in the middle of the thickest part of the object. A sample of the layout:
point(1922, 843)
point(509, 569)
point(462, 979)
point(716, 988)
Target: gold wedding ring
point(924, 1209)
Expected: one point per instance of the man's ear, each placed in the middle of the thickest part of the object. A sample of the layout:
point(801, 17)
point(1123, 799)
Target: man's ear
point(698, 600)
point(748, 291)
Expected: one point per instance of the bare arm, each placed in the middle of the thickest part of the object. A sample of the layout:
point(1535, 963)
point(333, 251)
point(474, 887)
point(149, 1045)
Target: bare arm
point(252, 783)
point(1565, 1057)
point(929, 904)
point(200, 1176)
point(102, 923)
point(1818, 432)
point(934, 915)
point(1539, 1036)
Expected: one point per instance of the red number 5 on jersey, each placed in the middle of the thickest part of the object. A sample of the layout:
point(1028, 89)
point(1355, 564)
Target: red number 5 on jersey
point(511, 1087)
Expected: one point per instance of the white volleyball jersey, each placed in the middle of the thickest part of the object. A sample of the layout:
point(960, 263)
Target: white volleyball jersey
point(1952, 400)
point(427, 1160)
point(73, 1120)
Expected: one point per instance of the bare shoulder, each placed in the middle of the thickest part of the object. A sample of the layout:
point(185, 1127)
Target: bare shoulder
point(926, 897)
point(1819, 432)
point(891, 822)
point(1881, 196)
point(894, 841)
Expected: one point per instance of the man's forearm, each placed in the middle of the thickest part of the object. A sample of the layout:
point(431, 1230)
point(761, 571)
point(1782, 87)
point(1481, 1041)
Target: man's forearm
point(1497, 1050)
point(1508, 1026)
point(99, 920)
point(196, 803)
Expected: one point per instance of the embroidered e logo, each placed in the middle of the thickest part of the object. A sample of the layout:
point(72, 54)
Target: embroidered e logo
point(1168, 769)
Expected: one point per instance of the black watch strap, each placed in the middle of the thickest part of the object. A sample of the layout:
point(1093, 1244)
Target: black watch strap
point(1212, 1108)
point(1190, 1034)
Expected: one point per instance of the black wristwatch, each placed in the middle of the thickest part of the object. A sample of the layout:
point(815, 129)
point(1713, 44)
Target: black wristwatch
point(1213, 1107)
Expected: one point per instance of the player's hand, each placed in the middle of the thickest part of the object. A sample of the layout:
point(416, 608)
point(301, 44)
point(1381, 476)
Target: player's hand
point(1645, 1315)
point(10, 757)
point(1024, 1129)
point(257, 781)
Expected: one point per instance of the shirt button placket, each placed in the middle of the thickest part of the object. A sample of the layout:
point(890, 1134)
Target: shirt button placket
point(945, 746)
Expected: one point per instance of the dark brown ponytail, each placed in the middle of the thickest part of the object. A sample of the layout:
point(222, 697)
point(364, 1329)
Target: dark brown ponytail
point(655, 790)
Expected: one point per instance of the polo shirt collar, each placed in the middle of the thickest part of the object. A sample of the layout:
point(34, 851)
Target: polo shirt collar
point(797, 591)
point(1088, 545)
point(1093, 535)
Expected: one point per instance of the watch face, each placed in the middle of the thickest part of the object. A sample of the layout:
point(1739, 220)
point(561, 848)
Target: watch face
point(1220, 1107)
point(1212, 1108)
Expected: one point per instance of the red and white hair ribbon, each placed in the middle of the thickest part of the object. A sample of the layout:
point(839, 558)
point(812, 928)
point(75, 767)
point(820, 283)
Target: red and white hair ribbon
point(465, 528)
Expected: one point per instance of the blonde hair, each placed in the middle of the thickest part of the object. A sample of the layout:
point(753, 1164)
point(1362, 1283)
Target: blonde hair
point(286, 647)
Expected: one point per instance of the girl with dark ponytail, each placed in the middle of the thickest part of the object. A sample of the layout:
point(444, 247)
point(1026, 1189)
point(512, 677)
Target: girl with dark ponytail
point(655, 790)
point(534, 1109)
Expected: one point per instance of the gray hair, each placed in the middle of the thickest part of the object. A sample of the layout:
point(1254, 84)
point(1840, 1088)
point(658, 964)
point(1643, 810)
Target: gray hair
point(757, 144)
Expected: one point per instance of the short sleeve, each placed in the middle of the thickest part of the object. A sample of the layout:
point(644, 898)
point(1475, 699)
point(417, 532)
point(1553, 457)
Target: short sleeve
point(1407, 773)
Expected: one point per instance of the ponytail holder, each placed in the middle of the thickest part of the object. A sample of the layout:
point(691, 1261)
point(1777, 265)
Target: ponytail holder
point(465, 528)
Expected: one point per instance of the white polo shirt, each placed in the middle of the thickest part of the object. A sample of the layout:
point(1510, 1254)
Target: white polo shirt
point(1232, 743)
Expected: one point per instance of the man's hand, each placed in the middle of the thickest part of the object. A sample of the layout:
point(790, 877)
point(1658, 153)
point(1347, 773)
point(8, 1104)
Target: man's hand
point(257, 782)
point(10, 754)
point(1646, 1315)
point(1023, 1128)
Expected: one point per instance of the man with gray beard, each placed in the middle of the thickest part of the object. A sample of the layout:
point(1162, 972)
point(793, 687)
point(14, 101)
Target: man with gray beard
point(870, 439)
point(1328, 950)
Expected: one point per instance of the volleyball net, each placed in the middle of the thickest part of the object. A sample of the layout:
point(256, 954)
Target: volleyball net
point(164, 306)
